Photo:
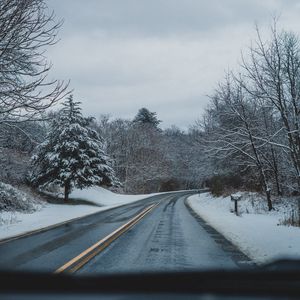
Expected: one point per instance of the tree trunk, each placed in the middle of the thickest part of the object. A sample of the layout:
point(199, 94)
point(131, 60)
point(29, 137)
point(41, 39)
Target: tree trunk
point(67, 191)
point(279, 191)
point(258, 163)
point(276, 172)
point(270, 205)
point(298, 201)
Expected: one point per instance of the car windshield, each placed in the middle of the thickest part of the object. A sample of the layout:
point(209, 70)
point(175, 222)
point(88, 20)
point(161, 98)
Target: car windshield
point(148, 136)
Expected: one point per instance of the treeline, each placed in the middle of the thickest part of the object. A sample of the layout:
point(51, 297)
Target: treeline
point(251, 127)
point(144, 157)
point(149, 159)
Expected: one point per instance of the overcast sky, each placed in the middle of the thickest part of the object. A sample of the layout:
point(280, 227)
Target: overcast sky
point(166, 55)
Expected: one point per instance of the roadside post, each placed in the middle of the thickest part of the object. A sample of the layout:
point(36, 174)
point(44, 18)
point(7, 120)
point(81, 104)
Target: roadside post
point(236, 199)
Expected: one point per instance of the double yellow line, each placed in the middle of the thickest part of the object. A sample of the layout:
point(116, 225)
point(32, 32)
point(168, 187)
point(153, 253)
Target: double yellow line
point(80, 260)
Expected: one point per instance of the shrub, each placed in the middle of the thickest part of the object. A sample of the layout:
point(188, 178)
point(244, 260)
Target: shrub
point(11, 199)
point(218, 184)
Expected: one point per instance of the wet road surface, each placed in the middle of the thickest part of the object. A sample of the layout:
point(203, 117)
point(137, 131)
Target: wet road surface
point(169, 238)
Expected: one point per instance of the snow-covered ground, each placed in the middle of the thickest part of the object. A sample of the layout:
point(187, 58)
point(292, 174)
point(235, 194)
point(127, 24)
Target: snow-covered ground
point(14, 223)
point(103, 197)
point(256, 231)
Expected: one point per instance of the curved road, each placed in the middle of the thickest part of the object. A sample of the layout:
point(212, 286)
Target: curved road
point(168, 238)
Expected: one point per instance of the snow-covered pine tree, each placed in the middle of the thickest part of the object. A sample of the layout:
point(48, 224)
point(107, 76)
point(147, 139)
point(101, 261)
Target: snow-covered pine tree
point(73, 154)
point(146, 117)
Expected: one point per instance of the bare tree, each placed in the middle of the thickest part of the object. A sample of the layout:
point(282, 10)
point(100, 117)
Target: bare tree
point(235, 133)
point(273, 74)
point(26, 30)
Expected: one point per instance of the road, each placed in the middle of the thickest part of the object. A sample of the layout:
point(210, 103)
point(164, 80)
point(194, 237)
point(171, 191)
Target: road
point(167, 238)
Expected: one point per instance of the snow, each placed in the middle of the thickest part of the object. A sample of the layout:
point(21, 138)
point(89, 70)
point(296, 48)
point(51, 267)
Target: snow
point(237, 195)
point(102, 197)
point(16, 223)
point(256, 233)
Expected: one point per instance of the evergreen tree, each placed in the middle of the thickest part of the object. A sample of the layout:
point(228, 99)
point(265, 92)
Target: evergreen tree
point(144, 116)
point(72, 155)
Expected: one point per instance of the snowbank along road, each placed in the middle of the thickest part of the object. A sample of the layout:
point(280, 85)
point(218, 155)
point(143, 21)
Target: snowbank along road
point(159, 233)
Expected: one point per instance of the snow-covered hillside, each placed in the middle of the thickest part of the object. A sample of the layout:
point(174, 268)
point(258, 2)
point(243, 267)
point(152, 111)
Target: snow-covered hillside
point(14, 223)
point(103, 197)
point(255, 231)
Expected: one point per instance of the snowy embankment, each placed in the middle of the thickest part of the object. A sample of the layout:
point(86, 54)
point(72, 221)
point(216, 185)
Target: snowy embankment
point(14, 223)
point(255, 231)
point(103, 197)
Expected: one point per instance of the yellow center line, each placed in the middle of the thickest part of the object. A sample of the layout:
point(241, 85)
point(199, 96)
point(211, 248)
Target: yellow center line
point(80, 260)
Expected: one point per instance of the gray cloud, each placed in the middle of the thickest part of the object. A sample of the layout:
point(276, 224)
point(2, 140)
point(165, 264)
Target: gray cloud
point(165, 55)
point(158, 18)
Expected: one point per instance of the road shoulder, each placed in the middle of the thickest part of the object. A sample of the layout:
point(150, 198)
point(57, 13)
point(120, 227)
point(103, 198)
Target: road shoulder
point(240, 258)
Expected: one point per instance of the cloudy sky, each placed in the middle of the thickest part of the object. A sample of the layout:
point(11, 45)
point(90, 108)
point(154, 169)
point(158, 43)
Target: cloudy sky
point(166, 55)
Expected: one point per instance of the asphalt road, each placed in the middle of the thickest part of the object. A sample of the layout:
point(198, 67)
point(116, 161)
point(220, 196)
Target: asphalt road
point(168, 238)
